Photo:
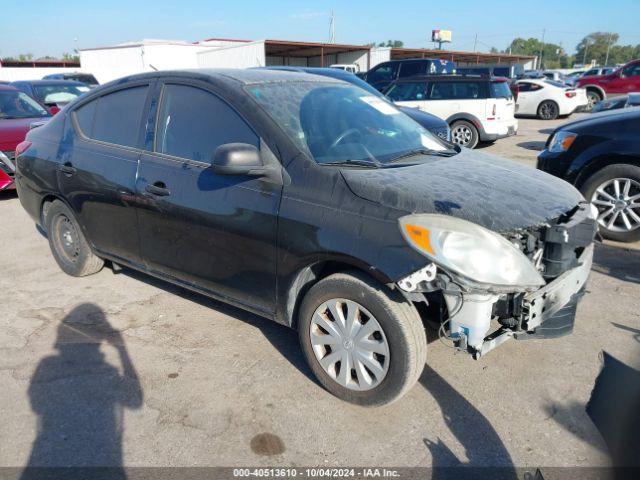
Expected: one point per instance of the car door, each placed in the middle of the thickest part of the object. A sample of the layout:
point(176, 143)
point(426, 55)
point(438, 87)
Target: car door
point(215, 232)
point(628, 81)
point(528, 98)
point(98, 161)
point(441, 100)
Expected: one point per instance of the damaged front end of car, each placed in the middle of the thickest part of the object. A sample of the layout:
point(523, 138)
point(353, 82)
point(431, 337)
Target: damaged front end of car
point(521, 284)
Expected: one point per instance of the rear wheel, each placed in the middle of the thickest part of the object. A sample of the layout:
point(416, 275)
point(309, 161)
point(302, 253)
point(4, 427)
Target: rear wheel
point(593, 97)
point(363, 342)
point(464, 133)
point(615, 191)
point(548, 110)
point(67, 242)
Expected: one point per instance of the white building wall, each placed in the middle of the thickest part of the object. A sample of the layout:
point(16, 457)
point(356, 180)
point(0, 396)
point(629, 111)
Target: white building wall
point(359, 57)
point(238, 56)
point(110, 63)
point(11, 74)
point(379, 55)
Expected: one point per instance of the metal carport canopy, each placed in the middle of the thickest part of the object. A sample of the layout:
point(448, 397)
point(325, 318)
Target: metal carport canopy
point(285, 48)
point(467, 57)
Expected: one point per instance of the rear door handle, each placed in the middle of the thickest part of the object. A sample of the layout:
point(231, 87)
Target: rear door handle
point(67, 169)
point(159, 189)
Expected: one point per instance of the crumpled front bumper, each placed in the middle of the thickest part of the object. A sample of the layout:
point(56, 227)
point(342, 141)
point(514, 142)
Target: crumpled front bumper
point(546, 313)
point(550, 312)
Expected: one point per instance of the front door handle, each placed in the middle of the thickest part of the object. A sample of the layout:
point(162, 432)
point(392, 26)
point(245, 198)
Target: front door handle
point(159, 189)
point(67, 169)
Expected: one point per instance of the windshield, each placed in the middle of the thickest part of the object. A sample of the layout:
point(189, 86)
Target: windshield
point(335, 122)
point(59, 93)
point(19, 105)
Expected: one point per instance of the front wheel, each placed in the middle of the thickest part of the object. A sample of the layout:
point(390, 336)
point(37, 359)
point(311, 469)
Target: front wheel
point(615, 191)
point(464, 133)
point(68, 245)
point(363, 342)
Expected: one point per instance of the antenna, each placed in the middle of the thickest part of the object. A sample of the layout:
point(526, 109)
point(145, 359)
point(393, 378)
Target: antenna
point(332, 28)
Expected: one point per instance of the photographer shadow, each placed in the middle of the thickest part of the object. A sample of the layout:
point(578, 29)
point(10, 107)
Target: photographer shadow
point(80, 398)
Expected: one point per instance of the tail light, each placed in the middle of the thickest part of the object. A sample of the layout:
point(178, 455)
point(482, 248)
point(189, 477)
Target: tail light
point(22, 147)
point(569, 94)
point(54, 109)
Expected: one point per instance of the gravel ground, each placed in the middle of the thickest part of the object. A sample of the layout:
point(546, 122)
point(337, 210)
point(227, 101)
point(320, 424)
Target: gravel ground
point(146, 374)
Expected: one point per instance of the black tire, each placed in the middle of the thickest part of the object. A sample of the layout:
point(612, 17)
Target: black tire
point(593, 97)
point(68, 245)
point(399, 321)
point(548, 110)
point(464, 133)
point(600, 178)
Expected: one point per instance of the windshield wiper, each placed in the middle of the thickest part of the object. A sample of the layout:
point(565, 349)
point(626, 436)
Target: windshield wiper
point(424, 151)
point(355, 163)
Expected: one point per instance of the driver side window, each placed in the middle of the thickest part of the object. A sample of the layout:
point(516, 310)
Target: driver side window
point(193, 122)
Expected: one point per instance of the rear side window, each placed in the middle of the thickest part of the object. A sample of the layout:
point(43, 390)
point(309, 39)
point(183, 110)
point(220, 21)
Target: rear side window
point(383, 72)
point(410, 69)
point(407, 91)
point(192, 123)
point(115, 117)
point(500, 90)
point(456, 91)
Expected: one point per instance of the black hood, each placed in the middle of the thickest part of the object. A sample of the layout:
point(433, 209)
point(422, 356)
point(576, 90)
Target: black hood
point(487, 190)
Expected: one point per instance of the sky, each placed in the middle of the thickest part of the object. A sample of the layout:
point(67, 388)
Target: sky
point(51, 27)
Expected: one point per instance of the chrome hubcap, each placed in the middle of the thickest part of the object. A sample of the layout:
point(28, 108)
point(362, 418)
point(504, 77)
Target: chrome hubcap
point(349, 344)
point(618, 203)
point(461, 135)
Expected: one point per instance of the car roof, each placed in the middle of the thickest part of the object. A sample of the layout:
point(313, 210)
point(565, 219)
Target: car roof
point(50, 82)
point(450, 77)
point(8, 88)
point(249, 76)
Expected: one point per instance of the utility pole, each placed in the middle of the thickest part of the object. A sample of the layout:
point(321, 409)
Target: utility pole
point(542, 47)
point(606, 58)
point(475, 42)
point(584, 56)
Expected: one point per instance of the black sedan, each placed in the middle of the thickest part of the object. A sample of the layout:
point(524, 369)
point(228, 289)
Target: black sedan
point(313, 203)
point(600, 155)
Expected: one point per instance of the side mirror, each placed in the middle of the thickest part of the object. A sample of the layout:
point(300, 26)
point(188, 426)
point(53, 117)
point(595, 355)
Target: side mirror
point(237, 159)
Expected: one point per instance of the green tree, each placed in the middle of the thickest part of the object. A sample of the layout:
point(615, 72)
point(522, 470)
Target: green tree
point(553, 55)
point(392, 44)
point(594, 47)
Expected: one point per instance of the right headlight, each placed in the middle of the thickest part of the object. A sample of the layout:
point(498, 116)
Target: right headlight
point(470, 250)
point(562, 141)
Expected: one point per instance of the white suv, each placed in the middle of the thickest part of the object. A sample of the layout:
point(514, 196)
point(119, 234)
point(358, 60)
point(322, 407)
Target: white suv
point(478, 109)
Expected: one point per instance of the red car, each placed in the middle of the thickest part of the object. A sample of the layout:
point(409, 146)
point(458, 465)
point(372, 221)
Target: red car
point(623, 81)
point(17, 112)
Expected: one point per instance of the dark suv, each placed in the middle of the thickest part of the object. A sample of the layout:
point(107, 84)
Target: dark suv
point(313, 203)
point(384, 73)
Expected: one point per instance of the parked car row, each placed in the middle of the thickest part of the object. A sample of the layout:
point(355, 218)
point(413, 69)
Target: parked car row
point(24, 104)
point(314, 203)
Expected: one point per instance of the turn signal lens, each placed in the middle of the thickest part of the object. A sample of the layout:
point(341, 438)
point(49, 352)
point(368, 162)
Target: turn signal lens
point(562, 141)
point(420, 237)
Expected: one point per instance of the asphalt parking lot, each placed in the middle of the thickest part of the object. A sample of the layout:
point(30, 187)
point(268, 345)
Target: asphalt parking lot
point(142, 373)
